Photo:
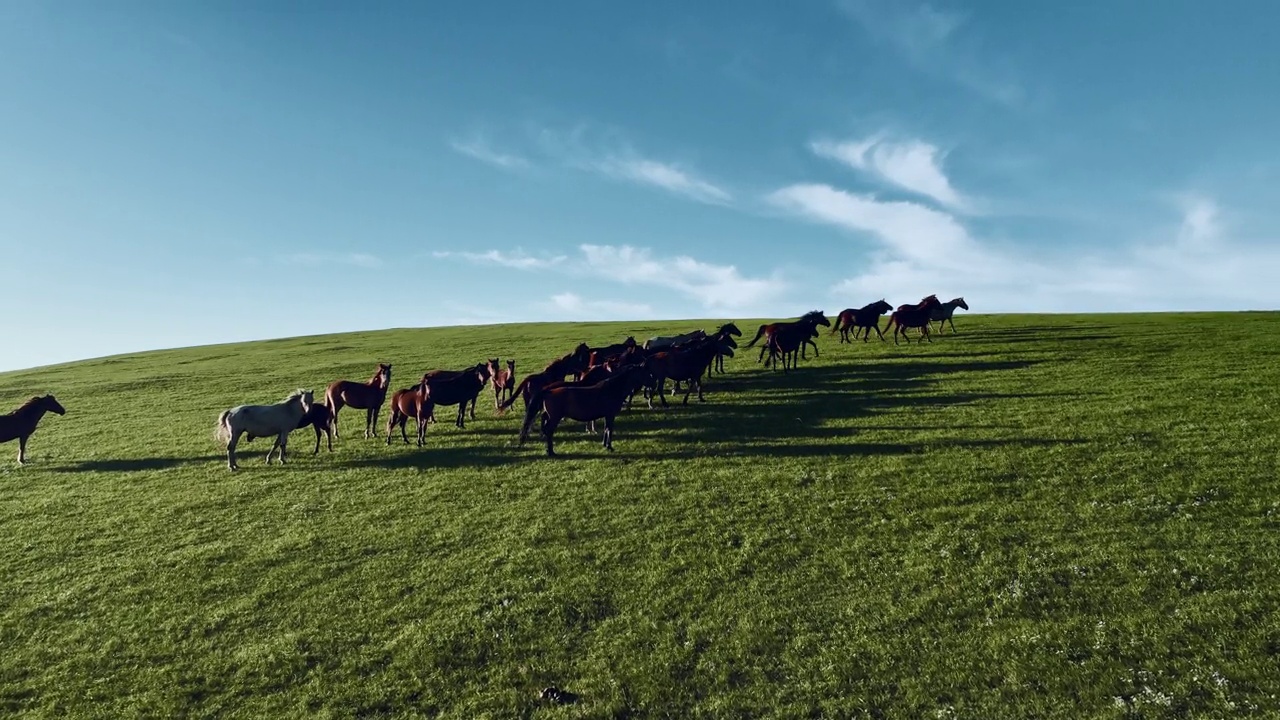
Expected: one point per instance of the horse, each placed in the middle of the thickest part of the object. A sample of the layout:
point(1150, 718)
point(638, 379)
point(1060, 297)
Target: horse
point(811, 319)
point(684, 364)
point(942, 313)
point(659, 342)
point(20, 423)
point(409, 403)
point(361, 396)
point(865, 318)
point(456, 390)
point(584, 403)
point(597, 356)
point(726, 332)
point(279, 419)
point(449, 375)
point(788, 343)
point(914, 316)
point(318, 417)
point(504, 381)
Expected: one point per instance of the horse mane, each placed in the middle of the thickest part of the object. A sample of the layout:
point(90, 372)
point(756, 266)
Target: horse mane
point(811, 314)
point(28, 404)
point(296, 394)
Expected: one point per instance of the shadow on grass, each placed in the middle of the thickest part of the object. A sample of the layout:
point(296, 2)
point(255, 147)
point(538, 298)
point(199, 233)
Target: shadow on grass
point(444, 457)
point(136, 464)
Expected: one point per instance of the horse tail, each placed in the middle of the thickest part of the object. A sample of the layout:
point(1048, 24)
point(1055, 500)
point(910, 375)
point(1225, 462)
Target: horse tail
point(514, 394)
point(530, 412)
point(757, 337)
point(222, 431)
point(835, 326)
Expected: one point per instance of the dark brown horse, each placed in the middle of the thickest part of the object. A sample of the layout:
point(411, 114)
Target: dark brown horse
point(318, 417)
point(685, 364)
point(810, 319)
point(788, 344)
point(504, 381)
point(405, 404)
point(914, 316)
point(361, 396)
point(598, 356)
point(584, 403)
point(864, 318)
point(570, 364)
point(19, 424)
point(574, 363)
point(459, 390)
point(450, 374)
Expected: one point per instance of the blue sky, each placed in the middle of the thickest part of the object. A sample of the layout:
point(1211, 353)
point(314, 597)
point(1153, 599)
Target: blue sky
point(186, 173)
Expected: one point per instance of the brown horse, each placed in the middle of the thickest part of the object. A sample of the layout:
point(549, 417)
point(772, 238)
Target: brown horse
point(458, 390)
point(598, 356)
point(788, 344)
point(405, 404)
point(19, 424)
point(687, 364)
point(361, 396)
point(864, 318)
point(811, 319)
point(570, 364)
point(504, 381)
point(318, 417)
point(914, 316)
point(584, 403)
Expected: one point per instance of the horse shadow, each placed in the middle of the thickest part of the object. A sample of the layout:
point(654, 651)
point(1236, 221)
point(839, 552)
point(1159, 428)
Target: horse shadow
point(136, 464)
point(443, 457)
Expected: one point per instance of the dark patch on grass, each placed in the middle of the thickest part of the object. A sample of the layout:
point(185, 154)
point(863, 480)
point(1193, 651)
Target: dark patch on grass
point(137, 464)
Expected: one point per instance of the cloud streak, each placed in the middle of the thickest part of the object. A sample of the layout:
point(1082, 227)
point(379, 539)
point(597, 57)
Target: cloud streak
point(480, 149)
point(517, 259)
point(913, 165)
point(666, 176)
point(714, 287)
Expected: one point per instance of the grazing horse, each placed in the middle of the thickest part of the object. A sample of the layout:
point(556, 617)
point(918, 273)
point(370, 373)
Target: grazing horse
point(279, 419)
point(457, 390)
point(659, 342)
point(19, 424)
point(504, 381)
point(810, 319)
point(361, 396)
point(914, 316)
point(584, 403)
point(405, 404)
point(318, 417)
point(942, 313)
point(865, 318)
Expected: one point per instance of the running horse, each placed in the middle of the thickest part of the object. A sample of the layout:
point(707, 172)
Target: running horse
point(362, 396)
point(19, 424)
point(942, 313)
point(809, 320)
point(863, 318)
point(583, 403)
point(914, 316)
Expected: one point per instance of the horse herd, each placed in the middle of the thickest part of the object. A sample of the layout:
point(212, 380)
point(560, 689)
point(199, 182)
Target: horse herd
point(586, 384)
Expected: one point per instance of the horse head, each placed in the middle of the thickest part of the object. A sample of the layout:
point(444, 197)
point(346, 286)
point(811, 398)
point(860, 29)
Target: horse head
point(384, 374)
point(961, 303)
point(882, 306)
point(511, 366)
point(630, 342)
point(303, 397)
point(492, 366)
point(50, 404)
point(729, 329)
point(817, 317)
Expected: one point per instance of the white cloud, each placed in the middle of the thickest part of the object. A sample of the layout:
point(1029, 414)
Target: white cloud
point(1201, 225)
point(666, 176)
point(313, 259)
point(481, 150)
point(574, 306)
point(715, 287)
point(913, 165)
point(517, 259)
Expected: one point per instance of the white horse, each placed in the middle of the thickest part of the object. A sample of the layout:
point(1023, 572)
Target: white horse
point(942, 313)
point(260, 421)
point(654, 343)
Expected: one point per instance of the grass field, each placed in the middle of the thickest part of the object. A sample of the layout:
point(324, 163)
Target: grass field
point(1043, 516)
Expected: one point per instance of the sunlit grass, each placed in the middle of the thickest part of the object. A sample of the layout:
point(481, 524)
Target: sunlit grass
point(1043, 516)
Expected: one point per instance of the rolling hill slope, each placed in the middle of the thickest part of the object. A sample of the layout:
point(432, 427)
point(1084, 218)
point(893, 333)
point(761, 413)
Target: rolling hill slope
point(1049, 516)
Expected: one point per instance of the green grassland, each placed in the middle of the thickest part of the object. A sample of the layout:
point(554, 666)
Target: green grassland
point(1042, 516)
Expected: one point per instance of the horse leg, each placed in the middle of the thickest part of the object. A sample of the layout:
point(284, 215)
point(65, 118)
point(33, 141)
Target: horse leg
point(662, 393)
point(274, 445)
point(368, 420)
point(422, 431)
point(284, 444)
point(608, 433)
point(953, 325)
point(231, 451)
point(316, 427)
point(337, 405)
point(548, 431)
point(22, 449)
point(473, 405)
point(462, 415)
point(688, 388)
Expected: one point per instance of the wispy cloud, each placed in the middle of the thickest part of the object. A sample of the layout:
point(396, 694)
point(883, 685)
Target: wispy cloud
point(575, 306)
point(480, 149)
point(666, 176)
point(714, 287)
point(313, 259)
point(933, 42)
point(517, 259)
point(912, 165)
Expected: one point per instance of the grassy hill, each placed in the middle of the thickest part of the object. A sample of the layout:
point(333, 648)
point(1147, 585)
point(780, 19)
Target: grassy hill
point(1043, 516)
